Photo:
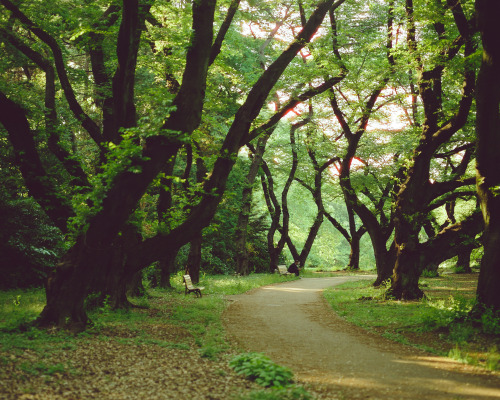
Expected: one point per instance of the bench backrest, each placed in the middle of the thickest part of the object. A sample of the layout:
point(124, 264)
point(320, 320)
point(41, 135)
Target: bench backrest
point(188, 282)
point(282, 269)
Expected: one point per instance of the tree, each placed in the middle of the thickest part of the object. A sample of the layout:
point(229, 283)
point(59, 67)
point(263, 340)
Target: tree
point(353, 128)
point(440, 124)
point(138, 156)
point(488, 142)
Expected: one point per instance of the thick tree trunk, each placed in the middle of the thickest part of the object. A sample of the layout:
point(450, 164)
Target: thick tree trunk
point(416, 191)
point(67, 290)
point(136, 288)
point(86, 259)
point(408, 223)
point(488, 150)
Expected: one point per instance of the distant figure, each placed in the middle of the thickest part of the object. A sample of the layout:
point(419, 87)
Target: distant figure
point(294, 268)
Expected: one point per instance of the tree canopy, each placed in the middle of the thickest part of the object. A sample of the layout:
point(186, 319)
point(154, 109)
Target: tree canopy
point(230, 135)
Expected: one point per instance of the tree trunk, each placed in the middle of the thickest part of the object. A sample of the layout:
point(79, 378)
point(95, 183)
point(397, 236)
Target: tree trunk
point(136, 288)
point(311, 237)
point(463, 261)
point(416, 191)
point(488, 150)
point(194, 258)
point(73, 279)
point(67, 290)
point(353, 264)
point(167, 265)
point(241, 234)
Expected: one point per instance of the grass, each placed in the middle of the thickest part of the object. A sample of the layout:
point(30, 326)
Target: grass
point(168, 318)
point(439, 324)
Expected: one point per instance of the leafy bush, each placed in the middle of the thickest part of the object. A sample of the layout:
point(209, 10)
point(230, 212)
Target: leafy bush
point(259, 368)
point(490, 322)
point(29, 244)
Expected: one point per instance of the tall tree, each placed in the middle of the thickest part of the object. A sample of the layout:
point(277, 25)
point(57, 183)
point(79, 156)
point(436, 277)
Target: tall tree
point(488, 147)
point(416, 191)
point(138, 159)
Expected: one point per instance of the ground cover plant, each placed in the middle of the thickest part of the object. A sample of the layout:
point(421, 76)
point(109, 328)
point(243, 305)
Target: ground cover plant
point(440, 323)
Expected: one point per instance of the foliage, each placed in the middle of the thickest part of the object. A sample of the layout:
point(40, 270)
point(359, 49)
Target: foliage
point(260, 368)
point(29, 244)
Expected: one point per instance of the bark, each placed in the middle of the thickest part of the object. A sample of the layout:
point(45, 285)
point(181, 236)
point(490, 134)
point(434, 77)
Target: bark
point(318, 200)
point(86, 258)
point(488, 150)
point(102, 77)
point(463, 261)
point(194, 258)
point(241, 234)
point(43, 190)
point(457, 239)
point(353, 264)
point(233, 7)
point(136, 288)
point(167, 265)
point(415, 192)
point(274, 209)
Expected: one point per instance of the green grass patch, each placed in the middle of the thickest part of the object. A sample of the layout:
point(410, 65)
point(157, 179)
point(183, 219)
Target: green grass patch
point(441, 323)
point(200, 317)
point(20, 307)
point(167, 319)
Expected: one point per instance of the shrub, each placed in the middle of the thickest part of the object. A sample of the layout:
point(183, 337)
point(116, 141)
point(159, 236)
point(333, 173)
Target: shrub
point(259, 368)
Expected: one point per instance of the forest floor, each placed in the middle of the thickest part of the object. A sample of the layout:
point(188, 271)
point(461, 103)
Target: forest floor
point(153, 358)
point(333, 359)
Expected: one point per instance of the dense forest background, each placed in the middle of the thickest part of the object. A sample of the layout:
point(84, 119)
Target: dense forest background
point(146, 137)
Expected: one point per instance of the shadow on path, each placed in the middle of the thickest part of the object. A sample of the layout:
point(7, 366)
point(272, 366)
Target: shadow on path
point(292, 324)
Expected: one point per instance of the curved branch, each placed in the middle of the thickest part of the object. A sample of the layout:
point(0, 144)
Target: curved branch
point(88, 124)
point(13, 118)
point(216, 46)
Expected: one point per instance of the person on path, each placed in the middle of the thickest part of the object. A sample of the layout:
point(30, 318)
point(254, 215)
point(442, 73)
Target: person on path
point(294, 268)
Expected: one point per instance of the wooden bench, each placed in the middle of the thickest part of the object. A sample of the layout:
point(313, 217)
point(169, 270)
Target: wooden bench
point(190, 288)
point(282, 270)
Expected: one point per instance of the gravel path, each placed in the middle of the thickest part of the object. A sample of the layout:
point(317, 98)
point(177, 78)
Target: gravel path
point(292, 324)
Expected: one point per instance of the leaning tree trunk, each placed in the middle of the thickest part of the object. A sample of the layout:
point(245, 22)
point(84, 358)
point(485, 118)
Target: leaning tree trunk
point(488, 150)
point(353, 264)
point(85, 260)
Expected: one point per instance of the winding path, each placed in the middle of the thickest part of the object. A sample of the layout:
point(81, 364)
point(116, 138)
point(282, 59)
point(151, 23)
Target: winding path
point(292, 324)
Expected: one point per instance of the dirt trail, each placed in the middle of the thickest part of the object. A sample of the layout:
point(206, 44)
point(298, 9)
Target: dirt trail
point(292, 324)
